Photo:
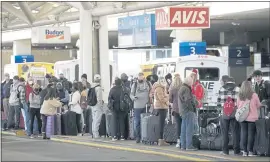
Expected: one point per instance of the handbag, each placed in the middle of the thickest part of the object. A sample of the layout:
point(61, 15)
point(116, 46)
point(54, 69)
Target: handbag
point(242, 112)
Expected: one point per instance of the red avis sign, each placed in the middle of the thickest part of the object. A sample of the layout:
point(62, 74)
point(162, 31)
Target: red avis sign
point(189, 17)
point(161, 19)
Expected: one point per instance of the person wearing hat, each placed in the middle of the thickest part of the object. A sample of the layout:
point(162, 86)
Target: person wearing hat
point(5, 94)
point(97, 109)
point(197, 88)
point(35, 105)
point(262, 87)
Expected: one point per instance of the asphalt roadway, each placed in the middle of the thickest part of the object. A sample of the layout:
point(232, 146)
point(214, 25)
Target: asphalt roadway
point(25, 149)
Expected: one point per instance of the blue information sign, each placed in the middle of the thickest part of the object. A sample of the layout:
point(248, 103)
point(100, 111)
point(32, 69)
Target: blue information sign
point(137, 31)
point(239, 51)
point(192, 48)
point(24, 58)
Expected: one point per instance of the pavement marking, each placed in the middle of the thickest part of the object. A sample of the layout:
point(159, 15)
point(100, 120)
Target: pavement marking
point(130, 149)
point(8, 133)
point(10, 142)
point(171, 150)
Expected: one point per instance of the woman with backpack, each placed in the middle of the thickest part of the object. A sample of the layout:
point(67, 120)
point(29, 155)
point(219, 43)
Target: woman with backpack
point(248, 97)
point(161, 105)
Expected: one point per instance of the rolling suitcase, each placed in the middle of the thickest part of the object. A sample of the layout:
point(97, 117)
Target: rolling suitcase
point(50, 126)
point(109, 124)
point(57, 124)
point(131, 125)
point(102, 126)
point(170, 129)
point(68, 123)
point(88, 120)
point(262, 137)
point(150, 129)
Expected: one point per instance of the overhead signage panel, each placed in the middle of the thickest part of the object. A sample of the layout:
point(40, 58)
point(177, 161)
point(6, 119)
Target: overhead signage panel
point(192, 48)
point(238, 51)
point(23, 58)
point(137, 31)
point(233, 62)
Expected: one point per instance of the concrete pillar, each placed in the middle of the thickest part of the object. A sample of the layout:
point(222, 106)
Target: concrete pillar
point(21, 47)
point(193, 35)
point(85, 43)
point(268, 45)
point(115, 58)
point(104, 54)
point(222, 38)
point(95, 46)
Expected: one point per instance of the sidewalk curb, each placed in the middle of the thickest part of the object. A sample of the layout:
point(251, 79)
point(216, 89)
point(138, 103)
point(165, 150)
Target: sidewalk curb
point(8, 133)
point(130, 149)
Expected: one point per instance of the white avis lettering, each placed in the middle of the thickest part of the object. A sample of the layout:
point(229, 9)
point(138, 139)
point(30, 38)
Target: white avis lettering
point(191, 17)
point(161, 18)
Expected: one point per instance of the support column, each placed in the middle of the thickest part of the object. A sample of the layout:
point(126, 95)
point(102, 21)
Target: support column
point(21, 47)
point(95, 45)
point(115, 58)
point(193, 35)
point(268, 45)
point(86, 43)
point(221, 38)
point(104, 54)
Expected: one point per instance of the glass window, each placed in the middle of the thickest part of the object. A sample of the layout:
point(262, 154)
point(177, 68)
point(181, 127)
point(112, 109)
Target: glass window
point(160, 54)
point(205, 74)
point(213, 52)
point(169, 53)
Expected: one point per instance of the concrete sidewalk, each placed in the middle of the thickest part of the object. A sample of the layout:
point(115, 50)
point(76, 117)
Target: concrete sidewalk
point(169, 151)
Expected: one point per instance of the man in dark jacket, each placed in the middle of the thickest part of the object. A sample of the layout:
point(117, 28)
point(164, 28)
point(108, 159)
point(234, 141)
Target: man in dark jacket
point(62, 94)
point(262, 87)
point(119, 112)
point(5, 94)
point(229, 89)
point(125, 81)
point(84, 79)
point(66, 84)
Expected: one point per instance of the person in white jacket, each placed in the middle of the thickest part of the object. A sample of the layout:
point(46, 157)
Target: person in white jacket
point(75, 105)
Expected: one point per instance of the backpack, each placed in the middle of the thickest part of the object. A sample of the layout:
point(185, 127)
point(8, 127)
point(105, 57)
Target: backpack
point(125, 101)
point(228, 107)
point(204, 99)
point(92, 96)
point(242, 112)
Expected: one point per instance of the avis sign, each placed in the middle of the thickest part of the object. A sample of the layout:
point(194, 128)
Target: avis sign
point(189, 17)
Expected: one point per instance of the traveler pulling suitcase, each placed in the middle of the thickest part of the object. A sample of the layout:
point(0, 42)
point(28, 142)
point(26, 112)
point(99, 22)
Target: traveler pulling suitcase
point(150, 128)
point(262, 137)
point(170, 133)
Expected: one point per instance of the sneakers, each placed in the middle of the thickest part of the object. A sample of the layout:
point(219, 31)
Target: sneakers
point(80, 134)
point(39, 135)
point(178, 143)
point(138, 140)
point(192, 149)
point(44, 135)
point(251, 154)
point(244, 154)
point(114, 138)
point(223, 153)
point(32, 136)
point(182, 148)
point(122, 138)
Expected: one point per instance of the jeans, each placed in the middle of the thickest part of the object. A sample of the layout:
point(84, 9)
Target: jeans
point(34, 112)
point(26, 117)
point(248, 130)
point(137, 121)
point(96, 116)
point(14, 116)
point(196, 125)
point(225, 125)
point(187, 130)
point(78, 123)
point(178, 120)
point(162, 113)
point(6, 110)
point(119, 124)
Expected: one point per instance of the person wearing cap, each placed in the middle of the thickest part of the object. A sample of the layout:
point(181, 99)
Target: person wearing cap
point(229, 89)
point(35, 105)
point(140, 94)
point(97, 110)
point(262, 87)
point(61, 93)
point(5, 94)
point(197, 88)
point(16, 102)
point(66, 84)
point(84, 80)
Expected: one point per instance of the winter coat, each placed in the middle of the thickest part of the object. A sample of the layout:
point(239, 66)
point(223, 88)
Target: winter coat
point(161, 98)
point(49, 107)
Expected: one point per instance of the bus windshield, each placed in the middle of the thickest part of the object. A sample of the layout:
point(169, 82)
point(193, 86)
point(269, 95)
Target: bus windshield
point(205, 74)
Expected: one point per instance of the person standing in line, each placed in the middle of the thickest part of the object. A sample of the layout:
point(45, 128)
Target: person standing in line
point(5, 88)
point(17, 97)
point(140, 94)
point(227, 93)
point(97, 110)
point(248, 127)
point(75, 106)
point(84, 80)
point(187, 107)
point(24, 106)
point(173, 98)
point(35, 105)
point(161, 105)
point(168, 79)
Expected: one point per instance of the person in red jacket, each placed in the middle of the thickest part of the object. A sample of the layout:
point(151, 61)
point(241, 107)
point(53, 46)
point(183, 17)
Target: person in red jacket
point(197, 88)
point(28, 89)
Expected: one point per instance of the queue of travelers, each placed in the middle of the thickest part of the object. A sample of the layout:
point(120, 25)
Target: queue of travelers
point(153, 94)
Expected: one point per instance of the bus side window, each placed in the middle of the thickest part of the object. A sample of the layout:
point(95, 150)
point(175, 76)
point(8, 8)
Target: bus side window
point(111, 74)
point(77, 72)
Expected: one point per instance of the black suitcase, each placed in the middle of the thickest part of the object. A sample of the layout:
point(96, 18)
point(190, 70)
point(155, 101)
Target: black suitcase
point(88, 120)
point(102, 126)
point(68, 123)
point(262, 137)
point(170, 129)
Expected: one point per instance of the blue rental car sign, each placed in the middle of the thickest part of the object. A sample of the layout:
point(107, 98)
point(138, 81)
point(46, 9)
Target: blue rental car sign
point(24, 58)
point(192, 48)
